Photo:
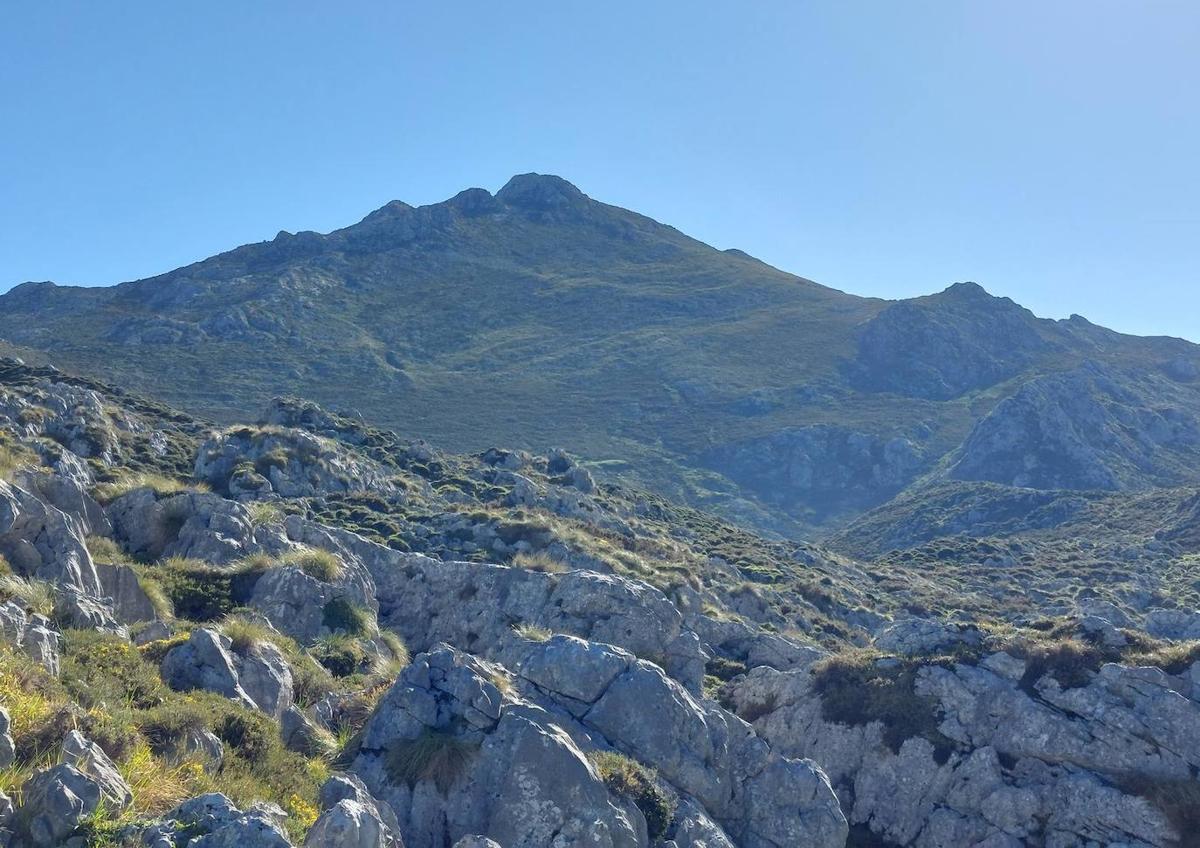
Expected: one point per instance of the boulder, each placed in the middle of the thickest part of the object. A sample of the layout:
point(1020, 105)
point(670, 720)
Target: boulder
point(196, 525)
point(350, 824)
point(34, 634)
point(205, 661)
point(89, 758)
point(120, 585)
point(53, 803)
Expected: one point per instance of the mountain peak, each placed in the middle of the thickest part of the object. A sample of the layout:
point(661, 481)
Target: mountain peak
point(540, 191)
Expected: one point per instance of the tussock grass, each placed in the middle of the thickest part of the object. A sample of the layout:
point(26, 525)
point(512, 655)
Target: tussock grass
point(104, 549)
point(638, 783)
point(36, 596)
point(539, 562)
point(439, 758)
point(316, 563)
point(13, 457)
point(532, 632)
point(264, 513)
point(160, 484)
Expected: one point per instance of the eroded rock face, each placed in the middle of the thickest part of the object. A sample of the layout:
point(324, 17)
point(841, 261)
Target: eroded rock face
point(292, 463)
point(523, 776)
point(43, 542)
point(1016, 763)
point(54, 802)
point(476, 607)
point(194, 525)
point(1090, 428)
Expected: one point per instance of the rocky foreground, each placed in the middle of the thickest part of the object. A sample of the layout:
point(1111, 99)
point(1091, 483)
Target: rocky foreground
point(308, 632)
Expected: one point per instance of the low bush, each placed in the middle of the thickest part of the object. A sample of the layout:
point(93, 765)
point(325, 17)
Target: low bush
point(637, 783)
point(857, 689)
point(342, 616)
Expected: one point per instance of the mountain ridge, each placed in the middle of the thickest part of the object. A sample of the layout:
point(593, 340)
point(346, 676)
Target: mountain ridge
point(538, 316)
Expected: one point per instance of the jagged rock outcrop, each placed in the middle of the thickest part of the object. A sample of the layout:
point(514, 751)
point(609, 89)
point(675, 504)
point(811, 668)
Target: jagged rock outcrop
point(292, 463)
point(212, 821)
point(1089, 428)
point(193, 524)
point(41, 541)
point(34, 634)
point(1015, 760)
point(520, 773)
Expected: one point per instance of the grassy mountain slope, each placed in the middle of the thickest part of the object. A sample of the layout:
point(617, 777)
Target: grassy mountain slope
point(540, 317)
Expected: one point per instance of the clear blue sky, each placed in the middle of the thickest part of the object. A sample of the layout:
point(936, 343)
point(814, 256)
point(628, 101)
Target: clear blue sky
point(1048, 150)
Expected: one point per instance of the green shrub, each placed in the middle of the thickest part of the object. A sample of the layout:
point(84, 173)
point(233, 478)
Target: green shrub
point(437, 757)
point(639, 784)
point(102, 669)
point(856, 689)
point(341, 616)
point(342, 655)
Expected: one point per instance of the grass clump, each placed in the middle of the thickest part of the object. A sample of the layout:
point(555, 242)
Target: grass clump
point(200, 592)
point(160, 484)
point(13, 457)
point(433, 756)
point(532, 632)
point(342, 616)
point(341, 655)
point(632, 780)
point(35, 596)
point(316, 563)
point(857, 689)
point(1177, 799)
point(104, 549)
point(264, 513)
point(542, 562)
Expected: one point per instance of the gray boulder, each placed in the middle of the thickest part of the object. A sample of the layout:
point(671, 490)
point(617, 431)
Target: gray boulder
point(257, 677)
point(351, 824)
point(922, 636)
point(197, 525)
point(43, 542)
point(120, 585)
point(90, 759)
point(53, 803)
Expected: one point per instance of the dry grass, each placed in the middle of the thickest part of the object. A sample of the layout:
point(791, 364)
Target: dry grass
point(539, 562)
point(532, 632)
point(263, 513)
point(439, 758)
point(36, 596)
point(316, 563)
point(160, 484)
